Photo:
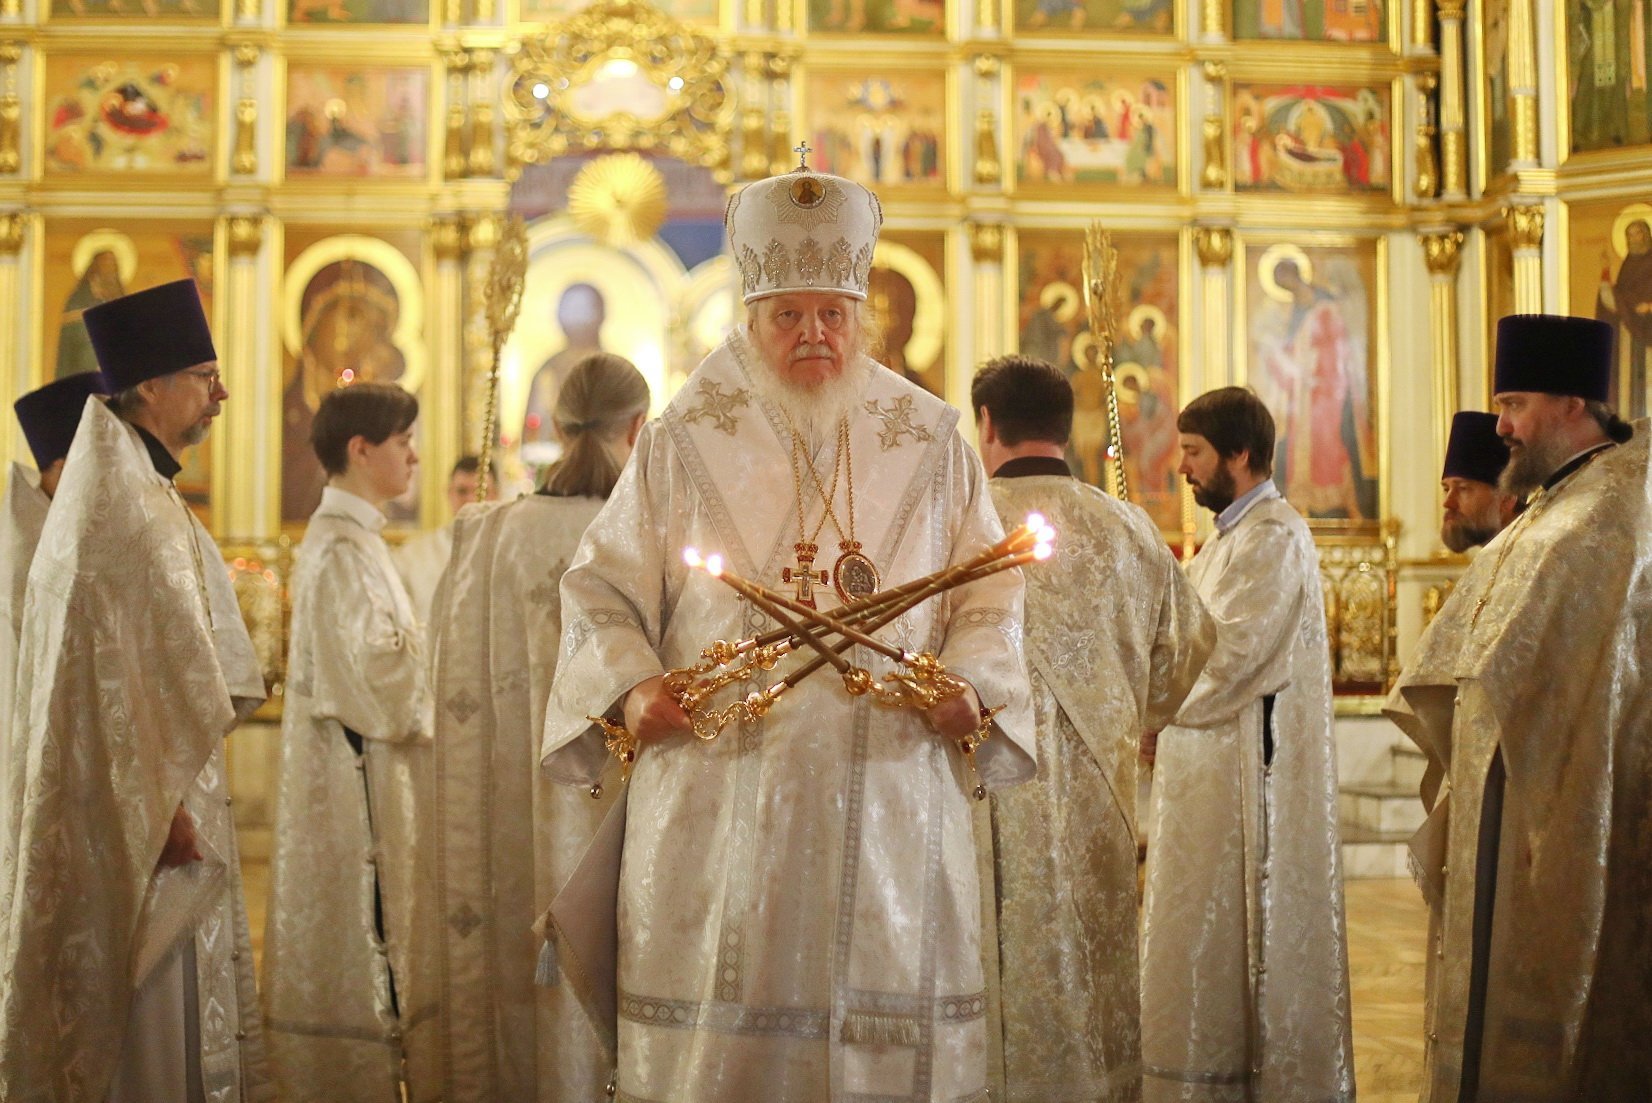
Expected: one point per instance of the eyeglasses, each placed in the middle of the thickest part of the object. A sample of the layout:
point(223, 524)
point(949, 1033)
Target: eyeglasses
point(214, 378)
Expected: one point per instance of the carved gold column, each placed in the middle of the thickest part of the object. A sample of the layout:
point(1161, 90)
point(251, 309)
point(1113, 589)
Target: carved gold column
point(987, 164)
point(1422, 25)
point(1442, 251)
point(1453, 139)
point(1213, 20)
point(1214, 175)
point(1525, 223)
point(481, 235)
point(456, 63)
point(440, 407)
point(1215, 248)
point(986, 249)
point(244, 160)
point(11, 109)
point(989, 18)
point(246, 447)
point(481, 160)
point(1428, 165)
point(1522, 66)
point(14, 368)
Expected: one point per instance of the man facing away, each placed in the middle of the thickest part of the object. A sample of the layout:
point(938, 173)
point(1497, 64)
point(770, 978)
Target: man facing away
point(1476, 508)
point(1529, 695)
point(1115, 638)
point(341, 943)
point(1244, 951)
point(125, 966)
point(798, 909)
point(48, 417)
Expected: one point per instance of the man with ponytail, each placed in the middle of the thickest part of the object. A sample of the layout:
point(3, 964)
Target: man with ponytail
point(795, 902)
point(506, 835)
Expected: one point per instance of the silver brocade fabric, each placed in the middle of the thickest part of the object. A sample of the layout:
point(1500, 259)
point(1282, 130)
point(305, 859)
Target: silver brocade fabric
point(508, 836)
point(1553, 673)
point(134, 664)
point(22, 516)
point(799, 910)
point(1244, 951)
point(1116, 637)
point(355, 660)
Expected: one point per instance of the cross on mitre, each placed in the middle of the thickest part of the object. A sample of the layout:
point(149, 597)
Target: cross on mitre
point(802, 150)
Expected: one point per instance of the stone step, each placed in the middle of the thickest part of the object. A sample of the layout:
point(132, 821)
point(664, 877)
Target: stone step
point(1409, 765)
point(1380, 807)
point(1368, 854)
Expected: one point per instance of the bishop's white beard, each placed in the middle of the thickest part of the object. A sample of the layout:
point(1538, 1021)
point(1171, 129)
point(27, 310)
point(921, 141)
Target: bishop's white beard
point(814, 411)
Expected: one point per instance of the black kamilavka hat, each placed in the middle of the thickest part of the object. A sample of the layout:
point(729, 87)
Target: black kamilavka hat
point(150, 333)
point(1554, 354)
point(51, 414)
point(1474, 450)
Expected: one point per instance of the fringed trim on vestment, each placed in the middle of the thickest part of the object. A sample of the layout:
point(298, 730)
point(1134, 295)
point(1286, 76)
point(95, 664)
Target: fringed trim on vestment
point(874, 1028)
point(546, 974)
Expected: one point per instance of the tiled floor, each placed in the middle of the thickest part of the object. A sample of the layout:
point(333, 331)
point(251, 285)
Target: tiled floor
point(1387, 933)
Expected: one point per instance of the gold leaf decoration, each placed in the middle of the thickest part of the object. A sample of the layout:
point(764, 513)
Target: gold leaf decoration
point(619, 199)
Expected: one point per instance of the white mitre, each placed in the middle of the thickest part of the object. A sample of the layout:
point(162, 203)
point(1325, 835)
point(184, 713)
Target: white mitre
point(804, 231)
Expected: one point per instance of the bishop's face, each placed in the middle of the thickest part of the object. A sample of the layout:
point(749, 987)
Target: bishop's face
point(805, 338)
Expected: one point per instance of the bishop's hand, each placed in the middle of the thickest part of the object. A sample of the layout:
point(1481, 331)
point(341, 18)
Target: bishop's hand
point(652, 713)
point(180, 848)
point(956, 716)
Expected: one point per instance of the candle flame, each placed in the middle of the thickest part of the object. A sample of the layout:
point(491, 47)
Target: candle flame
point(1046, 535)
point(1042, 551)
point(714, 566)
point(692, 558)
point(1036, 522)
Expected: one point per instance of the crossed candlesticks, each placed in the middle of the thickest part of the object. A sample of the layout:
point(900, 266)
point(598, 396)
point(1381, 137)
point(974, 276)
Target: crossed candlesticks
point(918, 681)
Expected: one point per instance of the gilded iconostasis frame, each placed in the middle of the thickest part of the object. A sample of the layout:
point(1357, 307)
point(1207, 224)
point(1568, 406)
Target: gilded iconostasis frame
point(1412, 137)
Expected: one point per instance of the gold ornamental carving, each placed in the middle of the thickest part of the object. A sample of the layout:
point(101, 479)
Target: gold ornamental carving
point(986, 242)
point(989, 169)
point(479, 161)
point(754, 145)
point(1214, 245)
point(619, 199)
point(620, 76)
point(11, 134)
point(1525, 225)
point(447, 237)
point(988, 66)
point(12, 225)
point(245, 160)
point(1214, 176)
point(457, 123)
point(780, 149)
point(244, 235)
point(1442, 251)
point(1452, 9)
point(1428, 162)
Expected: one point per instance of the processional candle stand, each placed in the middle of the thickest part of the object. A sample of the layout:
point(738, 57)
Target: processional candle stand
point(919, 680)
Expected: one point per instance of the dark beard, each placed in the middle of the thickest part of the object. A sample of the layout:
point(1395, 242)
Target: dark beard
point(1219, 493)
point(1529, 465)
point(1460, 536)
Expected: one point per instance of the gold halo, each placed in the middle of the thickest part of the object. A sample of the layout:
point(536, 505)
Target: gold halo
point(618, 200)
point(1141, 314)
point(1270, 261)
point(1063, 293)
point(106, 241)
point(408, 335)
point(1635, 212)
point(1082, 344)
point(929, 302)
point(1133, 371)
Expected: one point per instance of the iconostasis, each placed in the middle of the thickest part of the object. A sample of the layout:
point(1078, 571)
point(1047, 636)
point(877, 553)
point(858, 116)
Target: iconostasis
point(1328, 200)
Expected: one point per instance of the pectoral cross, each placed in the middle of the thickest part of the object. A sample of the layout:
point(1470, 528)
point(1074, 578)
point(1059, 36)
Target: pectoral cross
point(804, 576)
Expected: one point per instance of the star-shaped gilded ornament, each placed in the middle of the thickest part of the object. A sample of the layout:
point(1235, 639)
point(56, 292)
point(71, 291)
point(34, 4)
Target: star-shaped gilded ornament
point(717, 407)
point(897, 422)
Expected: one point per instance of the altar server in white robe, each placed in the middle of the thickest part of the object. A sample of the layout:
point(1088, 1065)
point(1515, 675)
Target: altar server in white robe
point(510, 836)
point(798, 908)
point(49, 417)
point(1244, 952)
point(422, 559)
point(348, 1021)
point(1115, 638)
point(125, 966)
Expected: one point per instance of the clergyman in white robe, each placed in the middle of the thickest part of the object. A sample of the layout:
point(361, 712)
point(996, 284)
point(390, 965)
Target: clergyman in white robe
point(799, 909)
point(1244, 948)
point(508, 836)
point(340, 986)
point(119, 980)
point(22, 516)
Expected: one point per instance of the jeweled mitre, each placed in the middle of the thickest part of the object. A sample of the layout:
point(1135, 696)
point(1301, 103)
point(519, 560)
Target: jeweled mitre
point(804, 231)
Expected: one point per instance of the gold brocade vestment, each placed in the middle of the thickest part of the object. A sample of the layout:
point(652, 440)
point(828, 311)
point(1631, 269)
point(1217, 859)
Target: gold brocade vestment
point(1530, 696)
point(1116, 637)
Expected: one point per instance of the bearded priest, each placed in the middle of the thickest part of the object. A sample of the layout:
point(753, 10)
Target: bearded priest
point(798, 917)
point(125, 966)
point(1529, 695)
